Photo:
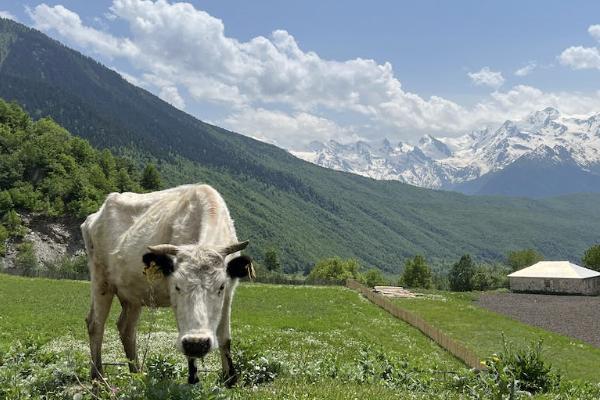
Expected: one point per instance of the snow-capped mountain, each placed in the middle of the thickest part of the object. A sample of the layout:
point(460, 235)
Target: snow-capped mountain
point(469, 162)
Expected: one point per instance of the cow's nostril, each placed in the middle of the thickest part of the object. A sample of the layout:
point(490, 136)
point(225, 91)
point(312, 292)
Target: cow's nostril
point(195, 347)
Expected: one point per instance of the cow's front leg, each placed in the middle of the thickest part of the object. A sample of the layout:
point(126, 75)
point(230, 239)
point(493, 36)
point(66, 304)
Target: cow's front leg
point(126, 324)
point(96, 319)
point(192, 371)
point(230, 376)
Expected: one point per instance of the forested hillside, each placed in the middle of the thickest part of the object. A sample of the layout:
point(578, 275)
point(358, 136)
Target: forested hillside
point(304, 211)
point(44, 170)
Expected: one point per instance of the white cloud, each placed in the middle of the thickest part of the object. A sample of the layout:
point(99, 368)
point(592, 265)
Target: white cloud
point(526, 70)
point(594, 31)
point(287, 130)
point(272, 88)
point(487, 77)
point(171, 95)
point(68, 24)
point(7, 15)
point(578, 57)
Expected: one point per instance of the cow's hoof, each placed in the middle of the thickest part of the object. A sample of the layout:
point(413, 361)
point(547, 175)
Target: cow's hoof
point(230, 379)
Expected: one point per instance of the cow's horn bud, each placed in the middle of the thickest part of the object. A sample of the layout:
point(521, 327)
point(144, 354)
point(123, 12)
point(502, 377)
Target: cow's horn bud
point(232, 248)
point(164, 249)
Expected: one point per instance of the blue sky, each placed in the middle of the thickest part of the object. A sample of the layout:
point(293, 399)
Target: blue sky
point(341, 70)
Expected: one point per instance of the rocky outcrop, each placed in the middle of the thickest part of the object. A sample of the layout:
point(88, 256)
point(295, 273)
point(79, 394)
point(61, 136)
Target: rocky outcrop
point(53, 239)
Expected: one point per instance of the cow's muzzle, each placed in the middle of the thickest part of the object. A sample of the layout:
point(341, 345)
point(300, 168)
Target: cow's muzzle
point(195, 346)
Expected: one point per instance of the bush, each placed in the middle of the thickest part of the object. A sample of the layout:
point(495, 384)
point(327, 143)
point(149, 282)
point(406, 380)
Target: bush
point(335, 269)
point(75, 267)
point(417, 273)
point(522, 369)
point(3, 239)
point(256, 369)
point(26, 261)
point(374, 277)
point(488, 278)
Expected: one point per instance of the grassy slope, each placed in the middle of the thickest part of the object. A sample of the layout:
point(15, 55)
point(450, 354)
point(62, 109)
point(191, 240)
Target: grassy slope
point(301, 325)
point(306, 211)
point(481, 330)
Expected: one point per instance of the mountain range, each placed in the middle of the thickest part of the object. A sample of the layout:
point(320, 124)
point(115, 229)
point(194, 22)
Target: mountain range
point(545, 154)
point(278, 201)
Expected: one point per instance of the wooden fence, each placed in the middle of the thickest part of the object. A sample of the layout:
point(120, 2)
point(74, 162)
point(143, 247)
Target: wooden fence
point(455, 348)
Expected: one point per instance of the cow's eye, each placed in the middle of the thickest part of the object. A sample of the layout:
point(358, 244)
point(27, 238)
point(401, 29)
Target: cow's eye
point(177, 288)
point(222, 288)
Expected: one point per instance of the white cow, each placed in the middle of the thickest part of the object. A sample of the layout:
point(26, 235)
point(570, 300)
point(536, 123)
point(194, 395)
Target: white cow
point(175, 247)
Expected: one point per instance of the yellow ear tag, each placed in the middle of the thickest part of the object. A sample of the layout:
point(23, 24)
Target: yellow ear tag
point(152, 271)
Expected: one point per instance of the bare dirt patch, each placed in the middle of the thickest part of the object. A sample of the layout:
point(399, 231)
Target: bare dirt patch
point(574, 316)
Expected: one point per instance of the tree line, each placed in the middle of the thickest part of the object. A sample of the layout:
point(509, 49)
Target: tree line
point(464, 275)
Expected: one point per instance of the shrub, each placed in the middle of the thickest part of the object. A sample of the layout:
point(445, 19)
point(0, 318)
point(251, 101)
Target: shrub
point(461, 275)
point(74, 267)
point(3, 238)
point(335, 269)
point(522, 369)
point(256, 369)
point(487, 278)
point(374, 277)
point(26, 260)
point(416, 273)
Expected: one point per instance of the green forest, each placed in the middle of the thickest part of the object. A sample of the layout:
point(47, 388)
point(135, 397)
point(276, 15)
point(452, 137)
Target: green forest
point(46, 170)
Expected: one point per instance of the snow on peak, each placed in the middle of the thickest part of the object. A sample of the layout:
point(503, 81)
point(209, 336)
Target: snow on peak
point(444, 161)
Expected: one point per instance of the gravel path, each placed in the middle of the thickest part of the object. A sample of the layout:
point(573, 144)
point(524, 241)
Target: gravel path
point(575, 316)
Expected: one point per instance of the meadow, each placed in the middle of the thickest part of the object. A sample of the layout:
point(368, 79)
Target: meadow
point(482, 330)
point(289, 342)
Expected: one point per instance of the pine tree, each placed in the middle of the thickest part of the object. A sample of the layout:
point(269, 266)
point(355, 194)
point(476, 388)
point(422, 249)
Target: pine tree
point(151, 178)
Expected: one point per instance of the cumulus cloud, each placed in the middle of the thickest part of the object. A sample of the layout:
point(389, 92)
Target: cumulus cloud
point(287, 130)
point(594, 31)
point(171, 95)
point(68, 24)
point(486, 77)
point(7, 15)
point(271, 87)
point(526, 70)
point(579, 57)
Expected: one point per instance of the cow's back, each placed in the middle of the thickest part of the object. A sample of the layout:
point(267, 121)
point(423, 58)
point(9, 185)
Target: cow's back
point(129, 222)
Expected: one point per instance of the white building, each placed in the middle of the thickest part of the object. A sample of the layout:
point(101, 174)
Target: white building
point(557, 277)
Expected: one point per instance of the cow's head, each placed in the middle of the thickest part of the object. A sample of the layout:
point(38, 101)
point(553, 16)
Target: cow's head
point(199, 279)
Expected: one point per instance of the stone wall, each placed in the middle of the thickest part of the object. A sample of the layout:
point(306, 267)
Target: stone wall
point(589, 286)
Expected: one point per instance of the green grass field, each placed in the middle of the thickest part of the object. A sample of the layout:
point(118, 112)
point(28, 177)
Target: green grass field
point(306, 329)
point(482, 330)
point(289, 342)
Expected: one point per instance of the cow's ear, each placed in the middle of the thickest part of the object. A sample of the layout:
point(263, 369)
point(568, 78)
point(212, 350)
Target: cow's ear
point(158, 262)
point(241, 267)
